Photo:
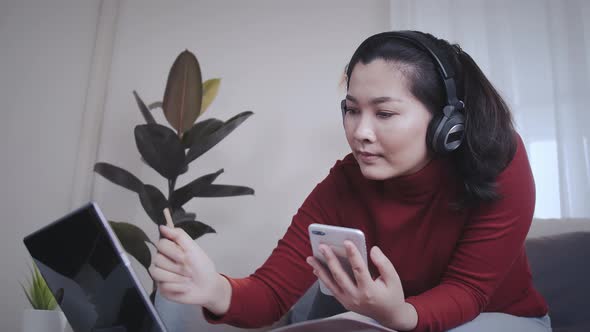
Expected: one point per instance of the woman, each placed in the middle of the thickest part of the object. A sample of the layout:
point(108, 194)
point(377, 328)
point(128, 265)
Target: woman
point(438, 181)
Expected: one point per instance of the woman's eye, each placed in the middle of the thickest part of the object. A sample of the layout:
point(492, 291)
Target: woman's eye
point(352, 110)
point(384, 115)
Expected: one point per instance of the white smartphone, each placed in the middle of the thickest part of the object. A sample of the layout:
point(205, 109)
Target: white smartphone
point(334, 236)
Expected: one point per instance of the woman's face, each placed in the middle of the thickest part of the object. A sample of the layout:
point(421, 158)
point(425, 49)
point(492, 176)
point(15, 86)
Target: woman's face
point(385, 124)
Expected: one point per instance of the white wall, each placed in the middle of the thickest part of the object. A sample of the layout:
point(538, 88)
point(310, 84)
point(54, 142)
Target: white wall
point(281, 59)
point(45, 52)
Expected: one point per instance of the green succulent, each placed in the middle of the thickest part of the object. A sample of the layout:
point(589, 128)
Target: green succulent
point(38, 293)
point(169, 150)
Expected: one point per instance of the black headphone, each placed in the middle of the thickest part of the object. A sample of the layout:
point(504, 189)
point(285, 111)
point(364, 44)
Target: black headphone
point(446, 129)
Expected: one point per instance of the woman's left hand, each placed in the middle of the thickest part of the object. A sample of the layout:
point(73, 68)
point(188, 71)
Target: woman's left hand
point(381, 299)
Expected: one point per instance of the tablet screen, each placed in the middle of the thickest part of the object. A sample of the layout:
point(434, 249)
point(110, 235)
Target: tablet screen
point(77, 257)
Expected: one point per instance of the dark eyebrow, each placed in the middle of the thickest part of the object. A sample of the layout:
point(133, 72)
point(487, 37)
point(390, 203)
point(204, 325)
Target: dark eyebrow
point(375, 101)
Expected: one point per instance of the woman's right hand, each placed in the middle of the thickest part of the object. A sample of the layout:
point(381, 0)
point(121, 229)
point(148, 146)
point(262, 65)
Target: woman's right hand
point(185, 274)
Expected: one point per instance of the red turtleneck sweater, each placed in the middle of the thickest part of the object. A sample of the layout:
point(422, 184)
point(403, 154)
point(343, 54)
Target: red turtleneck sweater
point(452, 265)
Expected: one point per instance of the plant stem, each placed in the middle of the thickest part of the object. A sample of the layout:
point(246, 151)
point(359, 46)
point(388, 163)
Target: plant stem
point(171, 185)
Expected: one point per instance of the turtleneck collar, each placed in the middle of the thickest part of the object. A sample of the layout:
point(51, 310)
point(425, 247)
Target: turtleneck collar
point(419, 186)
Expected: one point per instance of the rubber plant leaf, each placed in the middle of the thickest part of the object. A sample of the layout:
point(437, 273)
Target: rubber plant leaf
point(156, 104)
point(203, 145)
point(199, 130)
point(221, 190)
point(182, 195)
point(210, 90)
point(180, 215)
point(119, 176)
point(147, 115)
point(184, 92)
point(134, 240)
point(161, 149)
point(154, 203)
point(195, 229)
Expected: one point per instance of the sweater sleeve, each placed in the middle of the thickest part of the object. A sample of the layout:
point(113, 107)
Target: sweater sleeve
point(491, 242)
point(266, 295)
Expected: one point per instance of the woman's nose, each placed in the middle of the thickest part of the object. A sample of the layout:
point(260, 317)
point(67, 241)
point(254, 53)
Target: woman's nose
point(364, 131)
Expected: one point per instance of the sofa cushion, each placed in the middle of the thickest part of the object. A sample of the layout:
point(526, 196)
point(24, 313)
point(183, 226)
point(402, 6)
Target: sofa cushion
point(561, 272)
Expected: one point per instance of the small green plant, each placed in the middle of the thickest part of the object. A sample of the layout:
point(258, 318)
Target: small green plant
point(38, 293)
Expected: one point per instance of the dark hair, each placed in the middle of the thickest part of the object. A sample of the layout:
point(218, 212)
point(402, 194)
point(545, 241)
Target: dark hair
point(489, 142)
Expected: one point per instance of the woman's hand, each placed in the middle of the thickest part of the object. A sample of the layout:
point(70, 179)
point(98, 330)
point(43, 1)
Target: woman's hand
point(185, 274)
point(381, 299)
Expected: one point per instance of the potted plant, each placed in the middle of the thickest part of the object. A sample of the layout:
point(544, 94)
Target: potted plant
point(170, 150)
point(44, 316)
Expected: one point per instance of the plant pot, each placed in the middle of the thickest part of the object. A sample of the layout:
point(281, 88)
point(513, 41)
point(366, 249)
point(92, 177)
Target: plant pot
point(43, 321)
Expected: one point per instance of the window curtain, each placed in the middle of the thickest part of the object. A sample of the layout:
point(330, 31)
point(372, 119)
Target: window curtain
point(537, 54)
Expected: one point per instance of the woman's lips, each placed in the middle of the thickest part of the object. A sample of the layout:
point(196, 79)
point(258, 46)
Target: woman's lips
point(367, 157)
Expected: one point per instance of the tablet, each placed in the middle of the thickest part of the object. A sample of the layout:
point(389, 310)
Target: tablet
point(79, 256)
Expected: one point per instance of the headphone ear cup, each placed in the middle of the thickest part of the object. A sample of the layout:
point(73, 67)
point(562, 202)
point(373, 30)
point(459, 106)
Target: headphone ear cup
point(455, 122)
point(454, 125)
point(430, 139)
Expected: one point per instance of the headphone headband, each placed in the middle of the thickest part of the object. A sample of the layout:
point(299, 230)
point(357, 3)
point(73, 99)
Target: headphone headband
point(428, 45)
point(447, 129)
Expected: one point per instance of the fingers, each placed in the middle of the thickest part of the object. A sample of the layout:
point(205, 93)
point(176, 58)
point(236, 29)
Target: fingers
point(167, 264)
point(174, 251)
point(170, 250)
point(338, 274)
point(173, 289)
point(161, 275)
point(383, 264)
point(178, 236)
point(324, 275)
point(358, 264)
